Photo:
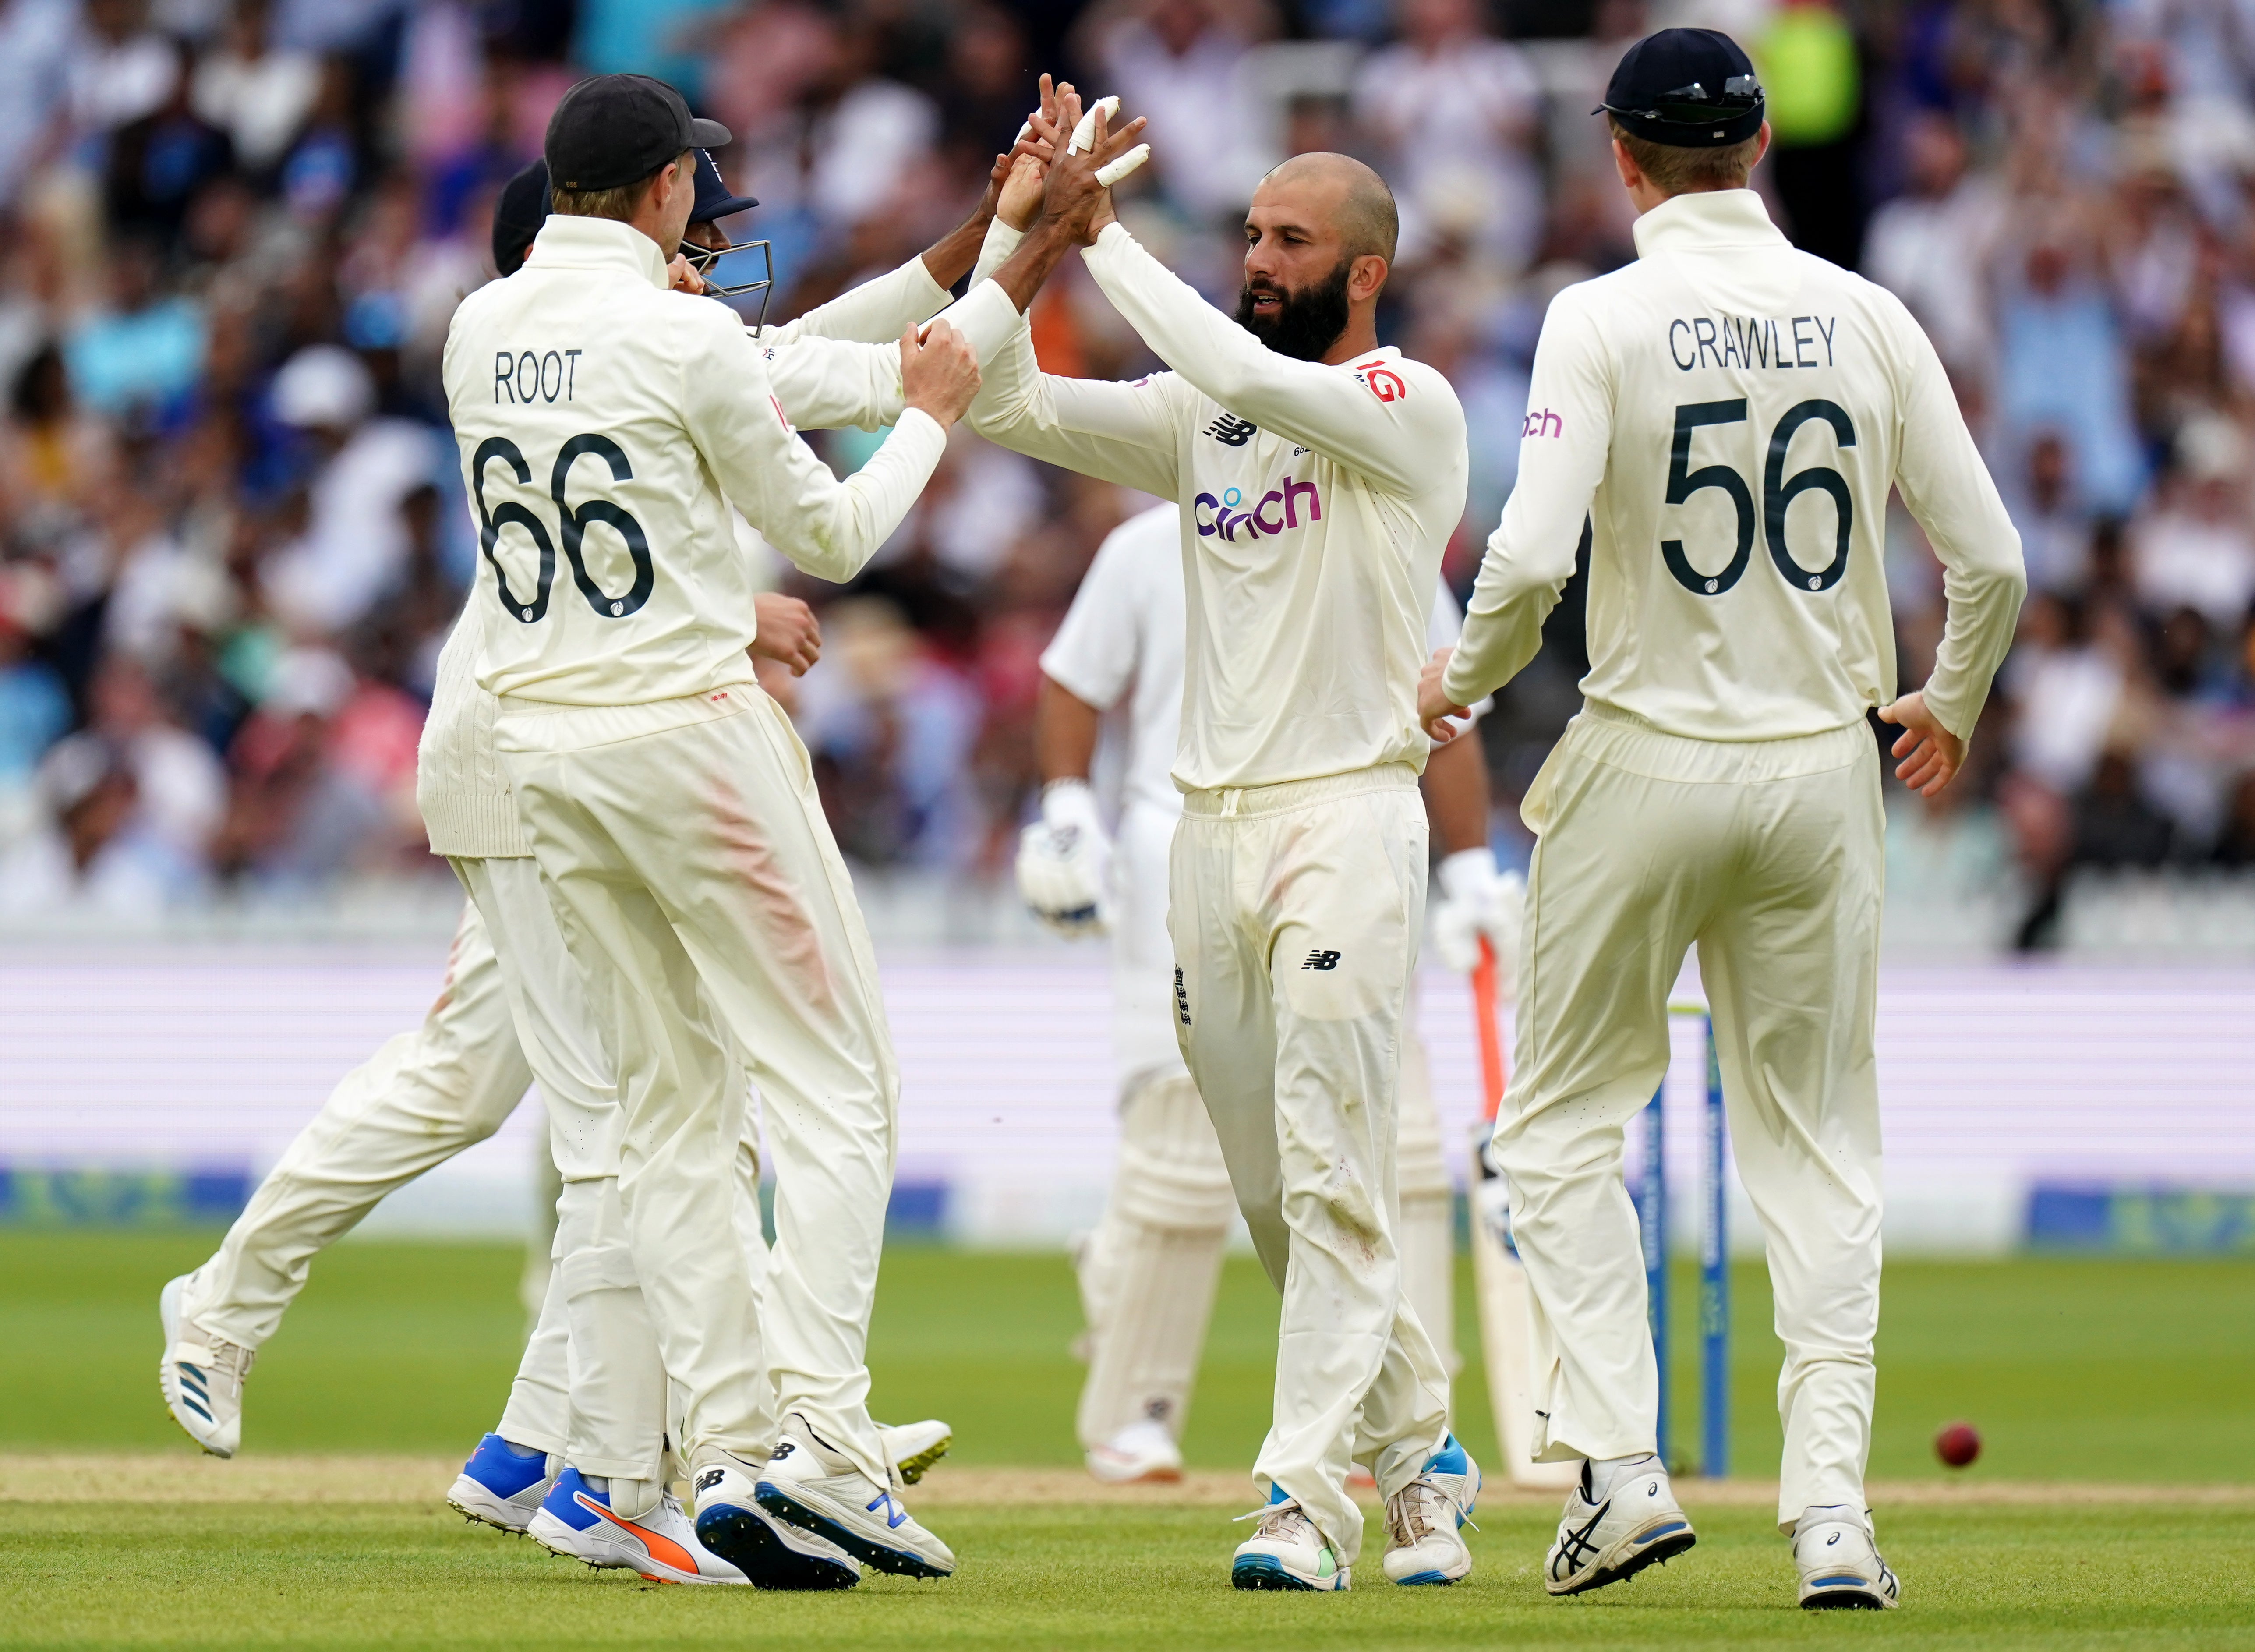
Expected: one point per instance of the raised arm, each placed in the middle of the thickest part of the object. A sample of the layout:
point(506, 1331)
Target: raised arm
point(1119, 432)
point(1530, 556)
point(828, 527)
point(824, 383)
point(1373, 422)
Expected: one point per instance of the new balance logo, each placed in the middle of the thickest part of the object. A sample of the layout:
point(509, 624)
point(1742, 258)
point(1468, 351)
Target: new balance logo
point(709, 1478)
point(893, 1513)
point(1231, 430)
point(1321, 960)
point(1181, 999)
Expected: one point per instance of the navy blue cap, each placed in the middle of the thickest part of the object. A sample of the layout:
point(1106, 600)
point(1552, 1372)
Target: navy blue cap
point(518, 216)
point(713, 199)
point(612, 129)
point(1689, 88)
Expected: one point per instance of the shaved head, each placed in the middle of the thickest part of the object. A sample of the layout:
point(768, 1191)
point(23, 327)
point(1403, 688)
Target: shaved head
point(1349, 195)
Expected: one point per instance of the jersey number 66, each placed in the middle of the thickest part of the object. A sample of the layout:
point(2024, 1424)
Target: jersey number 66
point(526, 610)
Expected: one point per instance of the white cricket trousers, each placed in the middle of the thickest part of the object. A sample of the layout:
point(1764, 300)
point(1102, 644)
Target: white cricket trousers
point(685, 852)
point(421, 1098)
point(1296, 912)
point(1766, 854)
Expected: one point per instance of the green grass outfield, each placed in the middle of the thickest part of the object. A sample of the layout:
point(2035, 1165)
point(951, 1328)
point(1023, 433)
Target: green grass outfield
point(2140, 1373)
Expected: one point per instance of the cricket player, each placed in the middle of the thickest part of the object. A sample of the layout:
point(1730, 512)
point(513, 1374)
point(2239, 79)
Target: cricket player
point(1148, 1271)
point(669, 804)
point(431, 1093)
point(1317, 477)
point(1723, 418)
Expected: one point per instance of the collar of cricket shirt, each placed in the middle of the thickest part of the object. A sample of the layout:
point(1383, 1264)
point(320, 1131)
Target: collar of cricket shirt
point(596, 244)
point(1704, 219)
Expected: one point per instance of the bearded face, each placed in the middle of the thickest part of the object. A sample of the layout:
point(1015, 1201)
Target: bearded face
point(1301, 322)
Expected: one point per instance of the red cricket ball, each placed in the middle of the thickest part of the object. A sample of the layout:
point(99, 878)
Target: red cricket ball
point(1957, 1445)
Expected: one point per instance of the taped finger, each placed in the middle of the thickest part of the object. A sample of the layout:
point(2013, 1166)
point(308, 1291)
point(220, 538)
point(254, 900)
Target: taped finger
point(1114, 171)
point(1084, 135)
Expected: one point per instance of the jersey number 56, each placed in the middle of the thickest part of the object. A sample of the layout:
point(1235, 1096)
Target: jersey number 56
point(574, 522)
point(1779, 492)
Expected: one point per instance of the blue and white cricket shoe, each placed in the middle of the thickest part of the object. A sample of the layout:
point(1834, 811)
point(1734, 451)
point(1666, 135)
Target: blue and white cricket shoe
point(501, 1484)
point(808, 1484)
point(1424, 1520)
point(772, 1553)
point(1286, 1552)
point(577, 1521)
point(201, 1376)
point(1602, 1540)
point(1839, 1562)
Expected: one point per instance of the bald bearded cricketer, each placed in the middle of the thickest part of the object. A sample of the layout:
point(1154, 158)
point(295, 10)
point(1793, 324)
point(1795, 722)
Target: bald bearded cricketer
point(1318, 478)
point(1721, 421)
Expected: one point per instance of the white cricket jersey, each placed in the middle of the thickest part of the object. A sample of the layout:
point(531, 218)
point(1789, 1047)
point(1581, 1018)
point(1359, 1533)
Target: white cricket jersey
point(1121, 644)
point(1314, 504)
point(607, 425)
point(1728, 413)
point(824, 379)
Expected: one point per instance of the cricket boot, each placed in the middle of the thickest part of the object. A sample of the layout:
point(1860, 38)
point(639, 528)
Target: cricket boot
point(502, 1485)
point(820, 1490)
point(911, 1448)
point(201, 1376)
point(1424, 1520)
point(1607, 1535)
point(1839, 1562)
point(772, 1553)
point(576, 1519)
point(1286, 1552)
point(1142, 1451)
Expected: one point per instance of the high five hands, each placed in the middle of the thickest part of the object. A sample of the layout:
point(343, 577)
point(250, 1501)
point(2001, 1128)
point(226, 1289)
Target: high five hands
point(1064, 163)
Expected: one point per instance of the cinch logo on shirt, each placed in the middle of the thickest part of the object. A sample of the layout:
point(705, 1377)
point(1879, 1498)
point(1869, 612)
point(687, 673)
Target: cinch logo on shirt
point(1545, 423)
point(1273, 512)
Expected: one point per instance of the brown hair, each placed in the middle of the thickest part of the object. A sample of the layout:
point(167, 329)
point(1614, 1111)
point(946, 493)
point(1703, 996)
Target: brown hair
point(617, 202)
point(1676, 171)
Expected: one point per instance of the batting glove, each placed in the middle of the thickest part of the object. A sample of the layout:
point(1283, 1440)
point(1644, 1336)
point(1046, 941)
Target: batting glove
point(1477, 900)
point(1063, 859)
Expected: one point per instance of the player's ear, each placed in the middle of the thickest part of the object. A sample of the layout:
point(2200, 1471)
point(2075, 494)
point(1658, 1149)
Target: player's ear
point(1366, 278)
point(1761, 145)
point(1630, 173)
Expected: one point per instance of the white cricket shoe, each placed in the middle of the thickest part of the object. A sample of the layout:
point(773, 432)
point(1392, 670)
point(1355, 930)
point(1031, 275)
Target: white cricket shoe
point(1839, 1562)
point(502, 1485)
point(771, 1552)
point(910, 1448)
point(1144, 1451)
point(1602, 1541)
point(201, 1376)
point(821, 1490)
point(576, 1521)
point(1424, 1542)
point(1286, 1552)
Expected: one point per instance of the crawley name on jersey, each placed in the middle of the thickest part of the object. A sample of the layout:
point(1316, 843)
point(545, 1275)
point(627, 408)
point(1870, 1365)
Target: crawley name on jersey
point(1754, 404)
point(1315, 503)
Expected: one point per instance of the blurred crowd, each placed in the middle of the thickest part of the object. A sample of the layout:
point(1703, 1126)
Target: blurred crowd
point(232, 534)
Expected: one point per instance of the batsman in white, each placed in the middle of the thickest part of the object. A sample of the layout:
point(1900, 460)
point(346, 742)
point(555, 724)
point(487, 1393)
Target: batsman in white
point(431, 1093)
point(1148, 1271)
point(1727, 415)
point(1317, 477)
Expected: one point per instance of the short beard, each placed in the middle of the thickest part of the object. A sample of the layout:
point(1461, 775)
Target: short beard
point(1307, 323)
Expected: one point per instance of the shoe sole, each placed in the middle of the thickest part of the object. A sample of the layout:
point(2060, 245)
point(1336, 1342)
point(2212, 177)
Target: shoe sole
point(901, 1563)
point(1164, 1474)
point(1267, 1572)
point(912, 1468)
point(1660, 1547)
point(474, 1502)
point(1419, 1579)
point(750, 1545)
point(1856, 1594)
